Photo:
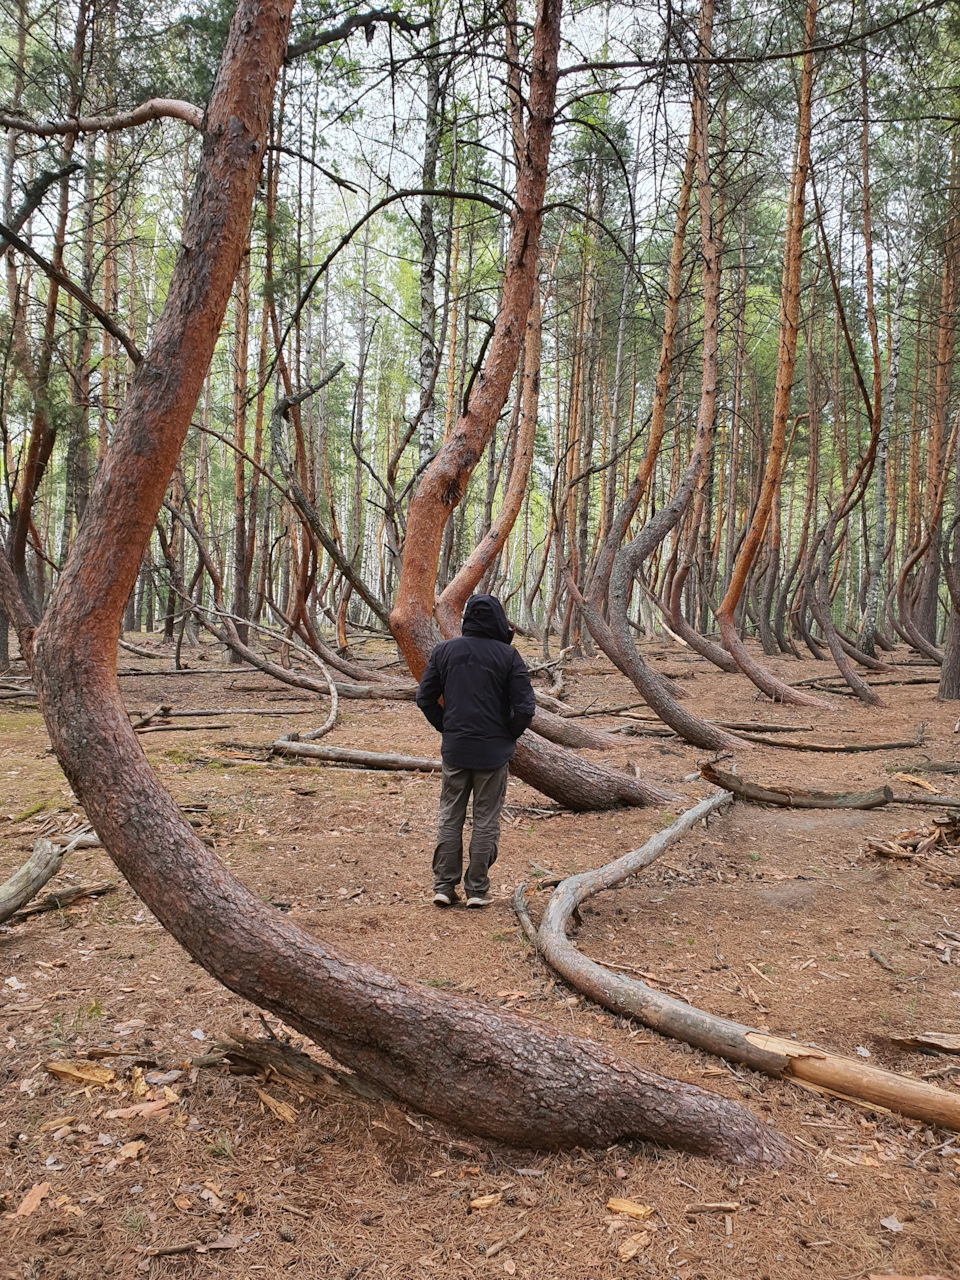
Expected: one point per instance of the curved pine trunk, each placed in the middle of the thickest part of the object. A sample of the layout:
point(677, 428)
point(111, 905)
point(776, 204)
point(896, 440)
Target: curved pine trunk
point(789, 329)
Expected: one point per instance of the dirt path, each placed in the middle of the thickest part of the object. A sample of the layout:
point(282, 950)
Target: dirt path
point(767, 915)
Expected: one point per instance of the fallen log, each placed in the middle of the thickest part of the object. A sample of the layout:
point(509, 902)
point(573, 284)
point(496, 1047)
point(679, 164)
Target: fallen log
point(56, 901)
point(401, 692)
point(140, 651)
point(42, 865)
point(562, 729)
point(211, 713)
point(346, 755)
point(628, 997)
point(85, 840)
point(847, 747)
point(819, 682)
point(179, 728)
point(754, 726)
point(794, 797)
point(929, 802)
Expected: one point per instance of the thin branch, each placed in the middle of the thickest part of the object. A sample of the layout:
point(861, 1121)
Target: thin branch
point(34, 193)
point(68, 286)
point(749, 60)
point(347, 236)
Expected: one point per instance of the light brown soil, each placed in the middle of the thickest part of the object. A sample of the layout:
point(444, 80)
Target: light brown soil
point(767, 915)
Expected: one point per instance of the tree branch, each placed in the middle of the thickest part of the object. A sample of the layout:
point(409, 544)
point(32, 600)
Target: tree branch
point(367, 21)
point(152, 109)
point(34, 193)
point(68, 286)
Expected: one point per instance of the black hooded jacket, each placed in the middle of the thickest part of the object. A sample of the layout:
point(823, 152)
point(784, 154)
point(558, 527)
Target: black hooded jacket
point(488, 700)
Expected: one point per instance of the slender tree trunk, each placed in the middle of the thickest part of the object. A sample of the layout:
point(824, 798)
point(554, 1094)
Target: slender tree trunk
point(241, 353)
point(445, 480)
point(878, 546)
point(789, 321)
point(450, 605)
point(620, 522)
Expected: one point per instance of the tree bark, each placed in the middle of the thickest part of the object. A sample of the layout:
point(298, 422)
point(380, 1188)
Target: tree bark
point(454, 596)
point(445, 480)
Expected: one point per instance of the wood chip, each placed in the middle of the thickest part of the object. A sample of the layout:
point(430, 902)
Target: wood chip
point(32, 1199)
point(76, 1072)
point(630, 1208)
point(485, 1202)
point(631, 1246)
point(916, 782)
point(282, 1110)
point(719, 1206)
point(158, 1109)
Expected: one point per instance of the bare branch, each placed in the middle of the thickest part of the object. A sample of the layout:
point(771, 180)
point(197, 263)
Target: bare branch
point(68, 286)
point(152, 109)
point(367, 21)
point(33, 196)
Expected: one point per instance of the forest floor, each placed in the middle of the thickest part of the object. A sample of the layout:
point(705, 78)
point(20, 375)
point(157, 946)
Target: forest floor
point(771, 916)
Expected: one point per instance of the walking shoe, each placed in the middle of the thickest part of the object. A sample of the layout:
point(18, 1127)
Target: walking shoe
point(483, 901)
point(444, 899)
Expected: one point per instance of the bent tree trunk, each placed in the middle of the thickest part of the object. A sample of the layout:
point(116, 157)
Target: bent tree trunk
point(559, 774)
point(615, 638)
point(765, 681)
point(501, 1076)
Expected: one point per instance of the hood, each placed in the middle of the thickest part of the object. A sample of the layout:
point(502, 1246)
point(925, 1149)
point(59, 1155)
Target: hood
point(484, 616)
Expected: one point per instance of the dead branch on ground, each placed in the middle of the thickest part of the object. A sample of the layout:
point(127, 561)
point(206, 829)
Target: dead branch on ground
point(344, 755)
point(42, 865)
point(772, 1055)
point(794, 797)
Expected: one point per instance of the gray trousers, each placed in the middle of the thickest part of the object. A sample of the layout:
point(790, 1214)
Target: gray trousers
point(489, 791)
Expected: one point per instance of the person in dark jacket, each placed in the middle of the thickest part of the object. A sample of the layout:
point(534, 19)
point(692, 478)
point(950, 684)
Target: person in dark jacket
point(477, 694)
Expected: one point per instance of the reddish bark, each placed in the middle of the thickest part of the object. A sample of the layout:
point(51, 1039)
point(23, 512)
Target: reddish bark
point(455, 595)
point(615, 639)
point(600, 578)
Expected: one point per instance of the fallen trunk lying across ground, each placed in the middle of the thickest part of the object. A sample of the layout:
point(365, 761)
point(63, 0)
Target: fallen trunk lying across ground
point(838, 747)
point(728, 1039)
point(359, 759)
point(794, 797)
